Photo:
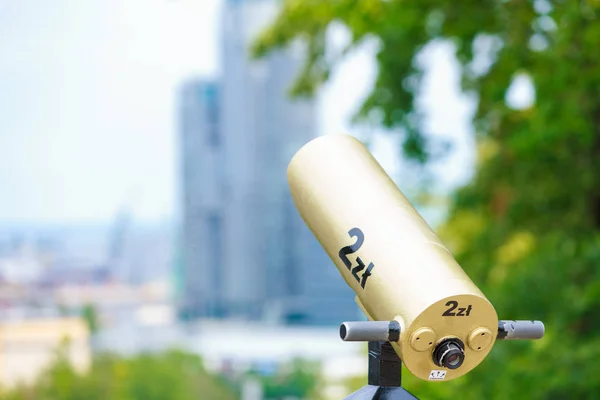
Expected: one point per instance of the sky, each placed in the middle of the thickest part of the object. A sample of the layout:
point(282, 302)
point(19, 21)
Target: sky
point(88, 105)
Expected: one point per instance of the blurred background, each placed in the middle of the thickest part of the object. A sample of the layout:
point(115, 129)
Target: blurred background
point(149, 245)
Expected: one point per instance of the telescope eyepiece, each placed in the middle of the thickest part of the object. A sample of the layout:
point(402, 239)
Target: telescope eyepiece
point(450, 353)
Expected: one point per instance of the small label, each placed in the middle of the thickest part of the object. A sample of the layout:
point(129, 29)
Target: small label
point(437, 375)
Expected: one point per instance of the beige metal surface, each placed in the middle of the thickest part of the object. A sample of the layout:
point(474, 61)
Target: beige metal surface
point(388, 254)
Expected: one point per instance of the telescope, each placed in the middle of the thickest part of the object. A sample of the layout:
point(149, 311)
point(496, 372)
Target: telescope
point(422, 308)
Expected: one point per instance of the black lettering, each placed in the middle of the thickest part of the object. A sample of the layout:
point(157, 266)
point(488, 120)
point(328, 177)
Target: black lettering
point(366, 275)
point(353, 248)
point(462, 311)
point(358, 268)
point(449, 312)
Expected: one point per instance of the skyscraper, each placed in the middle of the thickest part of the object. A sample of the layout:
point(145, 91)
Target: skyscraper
point(202, 199)
point(247, 253)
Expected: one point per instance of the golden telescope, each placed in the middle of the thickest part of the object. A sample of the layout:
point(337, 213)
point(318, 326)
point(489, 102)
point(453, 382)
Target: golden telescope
point(413, 292)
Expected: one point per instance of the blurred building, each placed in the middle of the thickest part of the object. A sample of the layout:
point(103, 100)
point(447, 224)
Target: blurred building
point(246, 253)
point(203, 200)
point(28, 347)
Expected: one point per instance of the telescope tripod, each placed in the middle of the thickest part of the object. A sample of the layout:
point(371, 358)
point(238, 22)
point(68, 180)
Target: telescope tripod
point(385, 375)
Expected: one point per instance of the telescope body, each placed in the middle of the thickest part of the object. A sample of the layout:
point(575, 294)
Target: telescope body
point(385, 251)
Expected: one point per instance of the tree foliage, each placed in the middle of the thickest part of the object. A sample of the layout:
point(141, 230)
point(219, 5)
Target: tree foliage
point(526, 228)
point(90, 314)
point(298, 379)
point(173, 375)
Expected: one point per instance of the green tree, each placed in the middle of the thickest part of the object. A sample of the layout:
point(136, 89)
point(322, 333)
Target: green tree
point(527, 227)
point(90, 314)
point(298, 379)
point(173, 375)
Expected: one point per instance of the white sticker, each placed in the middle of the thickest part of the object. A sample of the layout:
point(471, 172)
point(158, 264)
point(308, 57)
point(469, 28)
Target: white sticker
point(437, 375)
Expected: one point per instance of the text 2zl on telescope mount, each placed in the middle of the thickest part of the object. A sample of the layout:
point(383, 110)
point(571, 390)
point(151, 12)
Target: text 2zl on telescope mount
point(413, 292)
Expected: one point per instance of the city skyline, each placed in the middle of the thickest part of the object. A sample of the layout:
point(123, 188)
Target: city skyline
point(84, 136)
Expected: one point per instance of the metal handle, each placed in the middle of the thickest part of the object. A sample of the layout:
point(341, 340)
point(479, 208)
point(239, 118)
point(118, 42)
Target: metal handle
point(370, 331)
point(514, 330)
point(389, 331)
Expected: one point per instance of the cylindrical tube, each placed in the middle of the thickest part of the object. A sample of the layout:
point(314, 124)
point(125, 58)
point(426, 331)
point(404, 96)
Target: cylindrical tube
point(370, 331)
point(388, 254)
point(515, 330)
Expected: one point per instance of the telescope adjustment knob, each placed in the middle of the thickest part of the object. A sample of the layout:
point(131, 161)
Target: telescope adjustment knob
point(480, 339)
point(422, 339)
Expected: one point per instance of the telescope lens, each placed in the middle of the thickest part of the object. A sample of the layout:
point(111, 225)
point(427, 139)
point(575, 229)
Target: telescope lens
point(449, 354)
point(453, 360)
